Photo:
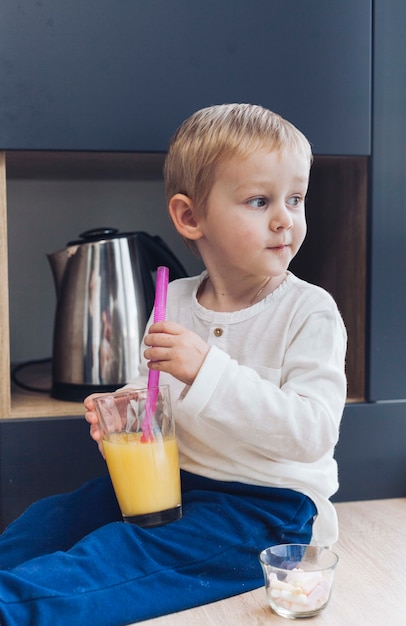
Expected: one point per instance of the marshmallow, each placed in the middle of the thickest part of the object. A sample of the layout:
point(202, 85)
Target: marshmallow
point(300, 592)
point(307, 581)
point(319, 595)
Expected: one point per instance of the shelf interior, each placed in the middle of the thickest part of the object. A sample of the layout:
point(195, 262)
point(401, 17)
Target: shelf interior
point(333, 256)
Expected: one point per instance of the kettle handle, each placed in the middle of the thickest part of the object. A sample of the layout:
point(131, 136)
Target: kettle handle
point(157, 252)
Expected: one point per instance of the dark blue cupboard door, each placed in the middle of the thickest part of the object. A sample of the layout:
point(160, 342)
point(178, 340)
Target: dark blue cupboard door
point(387, 302)
point(121, 76)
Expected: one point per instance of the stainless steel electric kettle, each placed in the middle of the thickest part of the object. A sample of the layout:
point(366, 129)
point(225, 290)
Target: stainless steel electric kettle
point(105, 284)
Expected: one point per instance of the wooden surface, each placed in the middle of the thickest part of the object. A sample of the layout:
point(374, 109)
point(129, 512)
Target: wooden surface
point(25, 405)
point(4, 317)
point(370, 579)
point(33, 404)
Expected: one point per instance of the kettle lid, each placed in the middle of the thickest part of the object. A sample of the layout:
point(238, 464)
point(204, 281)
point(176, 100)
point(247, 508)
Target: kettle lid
point(98, 234)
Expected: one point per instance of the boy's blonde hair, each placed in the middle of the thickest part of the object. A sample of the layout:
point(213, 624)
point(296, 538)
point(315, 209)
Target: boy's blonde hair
point(218, 133)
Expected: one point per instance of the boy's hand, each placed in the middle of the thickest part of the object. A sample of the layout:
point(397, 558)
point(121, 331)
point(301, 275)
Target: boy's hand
point(92, 418)
point(175, 350)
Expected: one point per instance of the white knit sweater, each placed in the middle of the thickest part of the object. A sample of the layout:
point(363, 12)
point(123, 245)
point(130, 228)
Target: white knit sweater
point(266, 405)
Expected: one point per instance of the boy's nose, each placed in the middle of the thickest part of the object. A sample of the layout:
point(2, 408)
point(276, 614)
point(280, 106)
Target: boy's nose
point(280, 218)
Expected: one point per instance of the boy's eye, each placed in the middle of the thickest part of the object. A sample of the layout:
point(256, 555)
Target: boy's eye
point(257, 203)
point(295, 200)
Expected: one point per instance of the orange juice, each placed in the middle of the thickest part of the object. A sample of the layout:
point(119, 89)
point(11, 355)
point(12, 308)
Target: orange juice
point(145, 475)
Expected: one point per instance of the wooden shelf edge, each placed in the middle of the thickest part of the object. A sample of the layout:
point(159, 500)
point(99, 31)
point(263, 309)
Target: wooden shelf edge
point(29, 408)
point(4, 305)
point(30, 405)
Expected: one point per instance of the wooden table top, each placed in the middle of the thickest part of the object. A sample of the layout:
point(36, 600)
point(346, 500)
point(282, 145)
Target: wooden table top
point(369, 585)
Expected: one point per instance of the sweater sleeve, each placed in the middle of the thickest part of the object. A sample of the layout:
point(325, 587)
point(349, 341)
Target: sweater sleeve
point(293, 415)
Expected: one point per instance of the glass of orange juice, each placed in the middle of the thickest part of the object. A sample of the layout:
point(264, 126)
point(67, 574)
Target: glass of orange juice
point(144, 469)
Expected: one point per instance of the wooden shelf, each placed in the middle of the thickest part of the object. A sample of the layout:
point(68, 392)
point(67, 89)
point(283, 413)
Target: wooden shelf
point(25, 404)
point(4, 314)
point(334, 254)
point(35, 404)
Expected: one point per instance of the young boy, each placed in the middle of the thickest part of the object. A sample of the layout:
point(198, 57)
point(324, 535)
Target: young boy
point(255, 361)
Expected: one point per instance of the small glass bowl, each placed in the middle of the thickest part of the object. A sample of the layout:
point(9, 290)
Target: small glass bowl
point(298, 578)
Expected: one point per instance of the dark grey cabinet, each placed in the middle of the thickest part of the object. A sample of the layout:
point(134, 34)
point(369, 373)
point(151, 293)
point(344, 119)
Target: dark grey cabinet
point(109, 76)
point(387, 289)
point(42, 457)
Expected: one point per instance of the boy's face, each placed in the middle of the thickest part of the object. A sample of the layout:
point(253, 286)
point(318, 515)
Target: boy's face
point(255, 215)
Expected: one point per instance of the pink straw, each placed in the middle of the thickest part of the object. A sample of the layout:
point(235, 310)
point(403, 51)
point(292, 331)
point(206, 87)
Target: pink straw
point(161, 291)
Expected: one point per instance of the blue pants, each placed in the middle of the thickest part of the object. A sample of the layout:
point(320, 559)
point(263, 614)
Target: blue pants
point(69, 559)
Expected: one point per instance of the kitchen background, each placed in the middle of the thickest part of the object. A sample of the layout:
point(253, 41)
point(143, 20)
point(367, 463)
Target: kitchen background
point(78, 80)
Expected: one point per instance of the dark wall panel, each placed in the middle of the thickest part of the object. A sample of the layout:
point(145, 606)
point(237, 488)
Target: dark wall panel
point(121, 76)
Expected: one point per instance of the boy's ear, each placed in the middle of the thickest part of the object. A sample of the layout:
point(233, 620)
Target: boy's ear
point(182, 215)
